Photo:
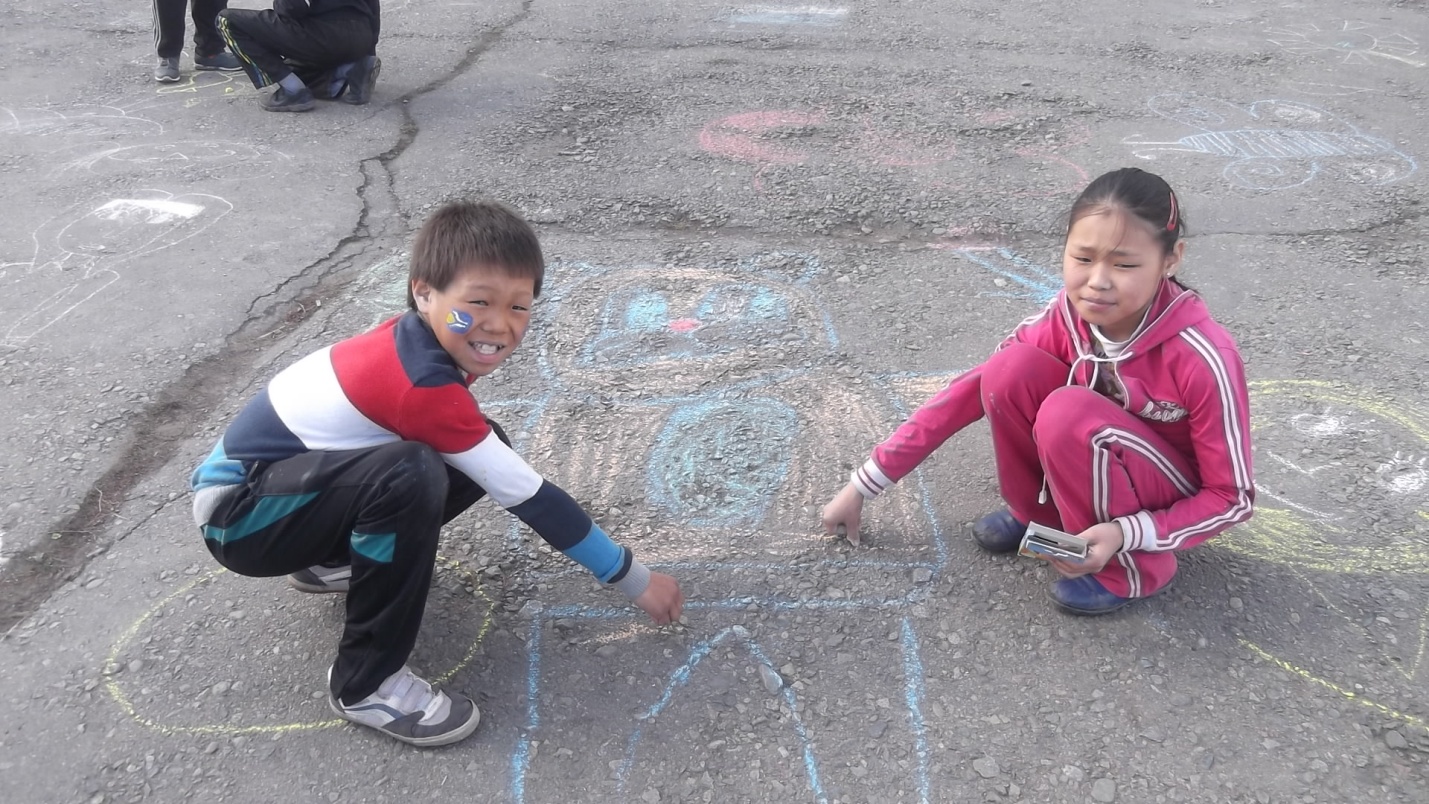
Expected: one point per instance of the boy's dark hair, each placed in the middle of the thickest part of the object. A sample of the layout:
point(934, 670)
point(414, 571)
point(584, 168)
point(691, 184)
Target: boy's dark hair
point(1145, 195)
point(462, 234)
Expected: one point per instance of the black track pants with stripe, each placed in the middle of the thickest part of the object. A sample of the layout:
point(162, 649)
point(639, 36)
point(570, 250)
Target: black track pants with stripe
point(380, 508)
point(169, 26)
point(270, 46)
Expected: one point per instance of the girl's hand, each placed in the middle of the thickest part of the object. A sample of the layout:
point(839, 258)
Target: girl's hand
point(846, 510)
point(1104, 541)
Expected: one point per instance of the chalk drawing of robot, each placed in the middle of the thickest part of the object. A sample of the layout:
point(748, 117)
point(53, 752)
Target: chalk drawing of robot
point(78, 253)
point(697, 401)
point(1276, 144)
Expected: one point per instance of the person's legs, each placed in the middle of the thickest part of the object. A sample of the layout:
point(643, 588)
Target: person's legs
point(208, 43)
point(1015, 381)
point(382, 507)
point(169, 27)
point(260, 39)
point(1103, 462)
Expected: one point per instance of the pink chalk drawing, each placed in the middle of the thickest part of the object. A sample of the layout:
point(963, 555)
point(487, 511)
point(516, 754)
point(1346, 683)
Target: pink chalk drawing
point(77, 253)
point(773, 139)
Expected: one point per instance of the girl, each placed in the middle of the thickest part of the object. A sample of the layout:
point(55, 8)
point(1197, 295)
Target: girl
point(1118, 413)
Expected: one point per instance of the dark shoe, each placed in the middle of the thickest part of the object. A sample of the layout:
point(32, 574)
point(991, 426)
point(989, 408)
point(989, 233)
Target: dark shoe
point(406, 708)
point(322, 89)
point(1085, 596)
point(321, 580)
point(167, 70)
point(281, 101)
point(361, 79)
point(222, 60)
point(998, 532)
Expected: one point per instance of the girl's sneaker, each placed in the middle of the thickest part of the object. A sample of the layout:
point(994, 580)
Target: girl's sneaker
point(406, 708)
point(1084, 595)
point(998, 532)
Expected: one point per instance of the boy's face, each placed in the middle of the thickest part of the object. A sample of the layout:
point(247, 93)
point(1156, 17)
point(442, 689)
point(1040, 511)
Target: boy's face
point(480, 318)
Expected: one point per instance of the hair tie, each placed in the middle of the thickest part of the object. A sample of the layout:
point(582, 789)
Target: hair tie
point(1171, 223)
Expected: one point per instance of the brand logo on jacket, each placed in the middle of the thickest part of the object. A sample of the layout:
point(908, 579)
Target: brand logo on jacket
point(1162, 412)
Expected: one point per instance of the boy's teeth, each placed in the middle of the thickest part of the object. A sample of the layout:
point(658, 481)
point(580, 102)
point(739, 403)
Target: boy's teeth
point(487, 348)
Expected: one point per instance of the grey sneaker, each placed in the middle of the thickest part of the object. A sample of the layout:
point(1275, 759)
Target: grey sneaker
point(222, 60)
point(167, 70)
point(406, 708)
point(319, 580)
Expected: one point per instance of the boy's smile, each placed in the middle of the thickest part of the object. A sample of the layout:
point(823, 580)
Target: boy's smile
point(480, 318)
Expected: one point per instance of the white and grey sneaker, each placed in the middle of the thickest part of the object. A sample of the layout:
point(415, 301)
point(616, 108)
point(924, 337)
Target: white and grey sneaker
point(167, 70)
point(406, 708)
point(320, 579)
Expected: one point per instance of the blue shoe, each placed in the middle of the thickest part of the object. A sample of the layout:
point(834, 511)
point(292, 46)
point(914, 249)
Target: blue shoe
point(998, 532)
point(1085, 596)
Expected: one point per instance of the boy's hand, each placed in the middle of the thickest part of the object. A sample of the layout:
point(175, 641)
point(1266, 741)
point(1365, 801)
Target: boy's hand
point(1104, 541)
point(662, 599)
point(846, 510)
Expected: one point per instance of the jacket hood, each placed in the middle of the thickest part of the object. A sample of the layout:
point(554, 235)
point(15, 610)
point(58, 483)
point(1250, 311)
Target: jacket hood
point(1172, 310)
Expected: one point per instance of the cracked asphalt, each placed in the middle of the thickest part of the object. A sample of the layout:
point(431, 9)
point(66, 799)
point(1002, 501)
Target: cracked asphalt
point(773, 229)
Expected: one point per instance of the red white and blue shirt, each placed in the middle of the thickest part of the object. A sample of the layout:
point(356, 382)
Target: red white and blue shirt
point(396, 383)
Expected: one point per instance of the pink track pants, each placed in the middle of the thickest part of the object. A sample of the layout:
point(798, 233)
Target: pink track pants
point(1042, 427)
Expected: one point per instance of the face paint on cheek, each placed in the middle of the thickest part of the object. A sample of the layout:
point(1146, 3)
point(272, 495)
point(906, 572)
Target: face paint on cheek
point(459, 322)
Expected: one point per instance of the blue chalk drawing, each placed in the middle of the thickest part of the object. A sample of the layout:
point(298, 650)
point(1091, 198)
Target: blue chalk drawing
point(664, 320)
point(1276, 144)
point(1037, 283)
point(682, 675)
point(687, 474)
point(913, 693)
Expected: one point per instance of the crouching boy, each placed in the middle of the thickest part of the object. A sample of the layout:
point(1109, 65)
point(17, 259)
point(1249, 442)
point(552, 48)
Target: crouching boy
point(342, 471)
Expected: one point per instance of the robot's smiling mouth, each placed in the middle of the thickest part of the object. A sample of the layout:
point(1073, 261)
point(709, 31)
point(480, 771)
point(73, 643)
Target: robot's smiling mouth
point(685, 324)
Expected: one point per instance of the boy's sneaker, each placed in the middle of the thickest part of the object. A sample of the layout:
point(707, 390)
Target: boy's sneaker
point(998, 532)
point(320, 579)
point(167, 70)
point(407, 708)
point(222, 60)
point(361, 80)
point(283, 101)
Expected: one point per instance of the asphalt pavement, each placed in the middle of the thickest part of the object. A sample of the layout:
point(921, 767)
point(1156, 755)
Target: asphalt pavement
point(773, 230)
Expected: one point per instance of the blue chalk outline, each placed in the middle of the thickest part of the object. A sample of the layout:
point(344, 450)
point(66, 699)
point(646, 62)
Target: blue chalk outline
point(681, 675)
point(1042, 284)
point(913, 677)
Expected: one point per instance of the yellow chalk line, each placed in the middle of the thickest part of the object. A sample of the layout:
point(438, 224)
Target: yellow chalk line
point(1284, 537)
point(1330, 685)
point(127, 706)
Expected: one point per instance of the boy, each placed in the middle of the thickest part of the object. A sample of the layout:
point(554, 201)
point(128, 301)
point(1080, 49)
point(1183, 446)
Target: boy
point(309, 48)
point(343, 470)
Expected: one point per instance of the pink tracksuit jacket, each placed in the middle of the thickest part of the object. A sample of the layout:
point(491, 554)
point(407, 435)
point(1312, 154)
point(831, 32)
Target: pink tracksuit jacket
point(1174, 403)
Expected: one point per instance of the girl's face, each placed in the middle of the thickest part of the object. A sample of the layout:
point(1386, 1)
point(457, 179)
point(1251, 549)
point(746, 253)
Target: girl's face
point(1112, 267)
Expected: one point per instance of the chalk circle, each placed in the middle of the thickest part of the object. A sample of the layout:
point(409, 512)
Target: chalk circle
point(1289, 537)
point(1271, 173)
point(132, 633)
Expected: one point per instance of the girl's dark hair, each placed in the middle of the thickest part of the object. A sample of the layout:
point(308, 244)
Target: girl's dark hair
point(463, 234)
point(1145, 195)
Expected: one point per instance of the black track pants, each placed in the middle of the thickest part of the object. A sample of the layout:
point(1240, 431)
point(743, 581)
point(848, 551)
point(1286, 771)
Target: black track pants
point(169, 27)
point(271, 46)
point(381, 509)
